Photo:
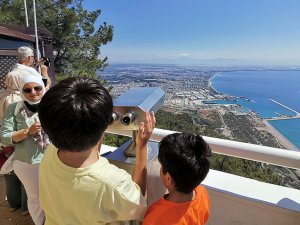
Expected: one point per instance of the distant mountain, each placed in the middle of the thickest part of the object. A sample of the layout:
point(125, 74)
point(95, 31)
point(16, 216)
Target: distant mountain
point(224, 62)
point(215, 62)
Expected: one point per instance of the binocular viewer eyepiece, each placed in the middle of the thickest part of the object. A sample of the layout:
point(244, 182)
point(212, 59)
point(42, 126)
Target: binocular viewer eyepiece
point(129, 107)
point(125, 120)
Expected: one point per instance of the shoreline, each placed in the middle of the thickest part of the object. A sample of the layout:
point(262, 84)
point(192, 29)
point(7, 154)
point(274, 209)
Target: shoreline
point(276, 133)
point(209, 83)
point(280, 137)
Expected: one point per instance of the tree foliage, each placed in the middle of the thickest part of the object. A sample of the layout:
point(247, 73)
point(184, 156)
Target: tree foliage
point(76, 40)
point(114, 140)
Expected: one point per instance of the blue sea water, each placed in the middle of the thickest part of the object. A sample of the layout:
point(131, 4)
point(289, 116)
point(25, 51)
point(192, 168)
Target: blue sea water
point(288, 128)
point(260, 87)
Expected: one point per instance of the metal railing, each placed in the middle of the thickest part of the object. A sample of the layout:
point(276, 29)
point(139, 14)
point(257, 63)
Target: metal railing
point(274, 156)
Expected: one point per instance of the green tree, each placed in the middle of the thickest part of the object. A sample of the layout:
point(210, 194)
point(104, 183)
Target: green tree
point(76, 40)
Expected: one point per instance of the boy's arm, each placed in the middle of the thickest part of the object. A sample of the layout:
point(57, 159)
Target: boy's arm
point(139, 174)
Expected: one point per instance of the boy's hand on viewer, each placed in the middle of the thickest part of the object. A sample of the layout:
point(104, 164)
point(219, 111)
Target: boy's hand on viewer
point(145, 130)
point(139, 174)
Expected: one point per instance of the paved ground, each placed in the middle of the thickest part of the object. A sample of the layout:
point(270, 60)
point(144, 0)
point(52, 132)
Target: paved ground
point(7, 217)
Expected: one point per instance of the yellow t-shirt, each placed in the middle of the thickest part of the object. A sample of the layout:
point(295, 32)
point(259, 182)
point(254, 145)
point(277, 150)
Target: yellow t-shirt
point(97, 194)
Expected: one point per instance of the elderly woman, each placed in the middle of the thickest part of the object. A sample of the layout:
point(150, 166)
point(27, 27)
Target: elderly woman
point(26, 61)
point(21, 127)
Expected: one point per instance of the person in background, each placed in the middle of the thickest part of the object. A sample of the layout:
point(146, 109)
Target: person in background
point(21, 127)
point(78, 185)
point(15, 192)
point(26, 62)
point(184, 165)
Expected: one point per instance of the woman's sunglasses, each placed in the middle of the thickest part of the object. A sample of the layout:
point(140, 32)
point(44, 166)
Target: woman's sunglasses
point(29, 90)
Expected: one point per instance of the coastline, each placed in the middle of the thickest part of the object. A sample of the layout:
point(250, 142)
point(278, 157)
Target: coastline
point(281, 139)
point(269, 128)
point(210, 83)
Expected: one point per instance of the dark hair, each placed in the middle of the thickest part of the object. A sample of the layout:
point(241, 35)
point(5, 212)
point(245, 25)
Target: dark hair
point(185, 157)
point(75, 113)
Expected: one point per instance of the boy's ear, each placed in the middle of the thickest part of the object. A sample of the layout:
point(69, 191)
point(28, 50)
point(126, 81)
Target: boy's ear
point(169, 180)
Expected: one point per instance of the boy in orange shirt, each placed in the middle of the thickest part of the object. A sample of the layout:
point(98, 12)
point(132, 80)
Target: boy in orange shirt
point(184, 165)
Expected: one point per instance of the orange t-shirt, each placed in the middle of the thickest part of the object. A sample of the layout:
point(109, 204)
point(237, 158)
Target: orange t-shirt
point(163, 212)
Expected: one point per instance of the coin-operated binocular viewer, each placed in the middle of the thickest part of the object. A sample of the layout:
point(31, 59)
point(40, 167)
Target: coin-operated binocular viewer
point(128, 113)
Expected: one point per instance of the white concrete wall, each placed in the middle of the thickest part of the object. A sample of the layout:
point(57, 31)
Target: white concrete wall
point(237, 200)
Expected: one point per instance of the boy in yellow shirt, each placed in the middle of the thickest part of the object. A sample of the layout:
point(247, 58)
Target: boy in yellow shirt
point(77, 185)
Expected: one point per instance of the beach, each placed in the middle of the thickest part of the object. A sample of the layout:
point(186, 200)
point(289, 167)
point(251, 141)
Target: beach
point(281, 139)
point(269, 101)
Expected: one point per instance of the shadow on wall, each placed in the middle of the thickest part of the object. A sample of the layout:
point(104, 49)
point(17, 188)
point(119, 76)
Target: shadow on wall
point(289, 204)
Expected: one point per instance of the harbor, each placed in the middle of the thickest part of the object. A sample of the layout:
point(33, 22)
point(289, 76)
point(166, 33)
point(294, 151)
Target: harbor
point(284, 117)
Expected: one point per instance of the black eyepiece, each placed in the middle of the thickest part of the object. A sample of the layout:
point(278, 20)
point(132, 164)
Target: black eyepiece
point(127, 119)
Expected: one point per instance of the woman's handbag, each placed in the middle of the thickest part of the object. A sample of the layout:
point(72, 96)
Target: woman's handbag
point(6, 156)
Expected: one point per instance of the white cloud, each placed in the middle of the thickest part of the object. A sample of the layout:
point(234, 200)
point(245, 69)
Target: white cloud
point(183, 54)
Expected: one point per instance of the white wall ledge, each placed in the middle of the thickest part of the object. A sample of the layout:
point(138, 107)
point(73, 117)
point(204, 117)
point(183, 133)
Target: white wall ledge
point(242, 187)
point(284, 197)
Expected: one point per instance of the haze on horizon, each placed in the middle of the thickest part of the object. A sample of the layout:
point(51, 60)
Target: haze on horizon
point(257, 32)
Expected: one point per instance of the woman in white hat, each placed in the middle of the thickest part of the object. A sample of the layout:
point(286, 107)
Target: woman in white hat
point(22, 128)
point(15, 192)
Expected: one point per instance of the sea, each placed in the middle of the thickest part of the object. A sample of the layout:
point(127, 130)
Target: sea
point(268, 93)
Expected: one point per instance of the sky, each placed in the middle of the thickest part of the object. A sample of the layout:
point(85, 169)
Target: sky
point(195, 31)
